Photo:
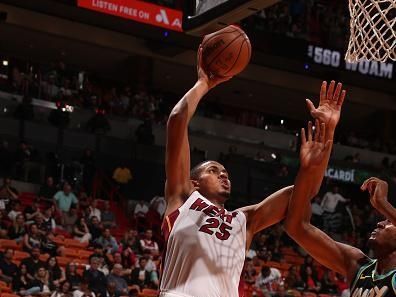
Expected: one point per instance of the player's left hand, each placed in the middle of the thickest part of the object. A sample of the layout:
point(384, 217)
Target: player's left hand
point(314, 148)
point(378, 190)
point(210, 80)
point(330, 104)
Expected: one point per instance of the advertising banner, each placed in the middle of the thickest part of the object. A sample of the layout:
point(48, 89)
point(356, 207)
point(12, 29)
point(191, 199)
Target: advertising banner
point(138, 11)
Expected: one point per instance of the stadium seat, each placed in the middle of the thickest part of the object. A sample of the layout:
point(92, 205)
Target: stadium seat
point(309, 294)
point(20, 255)
point(149, 293)
point(8, 295)
point(84, 254)
point(71, 253)
point(75, 243)
point(63, 261)
point(9, 244)
point(44, 257)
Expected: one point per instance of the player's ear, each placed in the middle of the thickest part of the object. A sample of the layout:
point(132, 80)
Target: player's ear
point(195, 183)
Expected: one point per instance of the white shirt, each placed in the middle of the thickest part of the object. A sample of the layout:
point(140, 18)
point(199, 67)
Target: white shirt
point(317, 209)
point(330, 201)
point(13, 214)
point(94, 212)
point(78, 293)
point(267, 282)
point(160, 204)
point(139, 208)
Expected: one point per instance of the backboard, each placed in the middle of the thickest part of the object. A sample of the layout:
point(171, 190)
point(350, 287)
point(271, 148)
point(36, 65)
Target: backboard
point(205, 16)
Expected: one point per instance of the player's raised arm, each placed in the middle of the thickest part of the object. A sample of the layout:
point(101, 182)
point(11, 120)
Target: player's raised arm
point(378, 190)
point(273, 208)
point(334, 255)
point(177, 160)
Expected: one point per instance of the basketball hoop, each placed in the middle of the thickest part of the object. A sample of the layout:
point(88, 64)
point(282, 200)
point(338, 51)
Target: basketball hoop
point(373, 31)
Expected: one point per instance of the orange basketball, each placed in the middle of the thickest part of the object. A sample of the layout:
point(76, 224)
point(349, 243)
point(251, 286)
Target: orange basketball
point(226, 52)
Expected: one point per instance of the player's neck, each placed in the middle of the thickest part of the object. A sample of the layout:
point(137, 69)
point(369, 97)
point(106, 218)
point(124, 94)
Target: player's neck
point(387, 263)
point(217, 202)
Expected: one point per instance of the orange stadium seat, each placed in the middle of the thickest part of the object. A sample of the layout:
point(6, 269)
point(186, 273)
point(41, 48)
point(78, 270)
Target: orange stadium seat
point(75, 243)
point(63, 261)
point(309, 294)
point(20, 255)
point(8, 295)
point(149, 293)
point(84, 254)
point(71, 253)
point(44, 257)
point(9, 244)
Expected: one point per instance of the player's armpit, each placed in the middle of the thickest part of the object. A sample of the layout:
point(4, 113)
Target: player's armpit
point(334, 255)
point(266, 213)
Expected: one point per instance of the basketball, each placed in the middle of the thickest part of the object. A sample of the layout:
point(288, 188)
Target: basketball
point(226, 52)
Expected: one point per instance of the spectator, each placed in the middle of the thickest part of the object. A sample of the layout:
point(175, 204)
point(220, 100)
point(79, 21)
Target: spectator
point(126, 261)
point(72, 276)
point(15, 211)
point(32, 239)
point(42, 227)
point(122, 176)
point(249, 272)
point(311, 282)
point(140, 212)
point(31, 211)
point(63, 290)
point(159, 204)
point(104, 260)
point(33, 262)
point(94, 211)
point(56, 274)
point(293, 279)
point(108, 217)
point(111, 290)
point(41, 280)
point(331, 199)
point(107, 241)
point(7, 193)
point(140, 276)
point(96, 279)
point(81, 231)
point(130, 241)
point(64, 199)
point(95, 228)
point(17, 230)
point(144, 133)
point(22, 283)
point(317, 212)
point(116, 277)
point(149, 244)
point(7, 267)
point(48, 221)
point(69, 219)
point(268, 280)
point(48, 190)
point(84, 290)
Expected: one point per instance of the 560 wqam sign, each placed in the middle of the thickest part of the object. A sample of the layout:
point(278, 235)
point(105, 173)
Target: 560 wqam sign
point(138, 11)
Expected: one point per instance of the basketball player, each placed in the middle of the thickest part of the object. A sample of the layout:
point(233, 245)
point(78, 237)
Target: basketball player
point(206, 244)
point(367, 277)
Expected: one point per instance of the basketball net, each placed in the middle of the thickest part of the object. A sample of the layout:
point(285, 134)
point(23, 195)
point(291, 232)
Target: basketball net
point(373, 30)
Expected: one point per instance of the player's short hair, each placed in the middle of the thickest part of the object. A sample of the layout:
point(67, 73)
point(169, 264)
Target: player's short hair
point(195, 172)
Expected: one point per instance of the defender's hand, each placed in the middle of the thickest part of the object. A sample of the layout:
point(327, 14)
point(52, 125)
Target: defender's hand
point(330, 104)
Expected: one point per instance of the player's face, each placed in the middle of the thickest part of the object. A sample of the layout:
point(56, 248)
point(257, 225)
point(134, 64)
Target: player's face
point(383, 238)
point(213, 181)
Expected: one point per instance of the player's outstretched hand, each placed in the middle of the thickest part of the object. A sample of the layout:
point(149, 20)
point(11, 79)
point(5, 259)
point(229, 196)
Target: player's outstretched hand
point(330, 104)
point(378, 190)
point(314, 148)
point(210, 80)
